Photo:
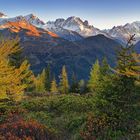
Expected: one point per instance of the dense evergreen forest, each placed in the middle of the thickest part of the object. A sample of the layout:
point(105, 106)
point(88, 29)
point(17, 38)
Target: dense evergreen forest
point(38, 107)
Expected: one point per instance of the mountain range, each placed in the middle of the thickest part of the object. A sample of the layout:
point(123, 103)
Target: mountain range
point(71, 42)
point(73, 28)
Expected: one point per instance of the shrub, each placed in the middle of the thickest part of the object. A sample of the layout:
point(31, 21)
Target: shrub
point(14, 127)
point(60, 104)
point(94, 128)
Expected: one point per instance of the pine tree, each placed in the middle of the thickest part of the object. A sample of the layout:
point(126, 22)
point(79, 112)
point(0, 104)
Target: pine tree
point(128, 64)
point(117, 98)
point(94, 77)
point(105, 68)
point(43, 78)
point(74, 85)
point(48, 78)
point(136, 69)
point(54, 86)
point(64, 85)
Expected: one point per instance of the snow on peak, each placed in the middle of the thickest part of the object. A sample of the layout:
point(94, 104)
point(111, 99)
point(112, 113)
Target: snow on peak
point(123, 32)
point(76, 28)
point(31, 16)
point(2, 15)
point(75, 24)
point(32, 19)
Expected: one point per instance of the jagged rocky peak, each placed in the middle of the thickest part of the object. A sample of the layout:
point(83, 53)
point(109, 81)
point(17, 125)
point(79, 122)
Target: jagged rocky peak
point(70, 21)
point(74, 20)
point(18, 18)
point(59, 20)
point(2, 15)
point(76, 24)
point(33, 19)
point(86, 23)
point(78, 21)
point(32, 16)
point(123, 32)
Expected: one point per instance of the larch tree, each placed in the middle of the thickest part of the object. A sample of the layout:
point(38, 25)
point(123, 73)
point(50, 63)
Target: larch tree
point(43, 81)
point(64, 85)
point(54, 88)
point(94, 77)
point(13, 79)
point(43, 78)
point(37, 83)
point(40, 82)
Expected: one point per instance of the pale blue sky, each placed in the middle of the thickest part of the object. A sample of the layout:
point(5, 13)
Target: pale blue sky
point(100, 13)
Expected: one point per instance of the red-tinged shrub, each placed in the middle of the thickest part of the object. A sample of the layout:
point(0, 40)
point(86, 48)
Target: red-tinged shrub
point(15, 127)
point(87, 134)
point(94, 128)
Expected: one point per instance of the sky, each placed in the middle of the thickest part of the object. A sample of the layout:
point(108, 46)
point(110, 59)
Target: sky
point(103, 14)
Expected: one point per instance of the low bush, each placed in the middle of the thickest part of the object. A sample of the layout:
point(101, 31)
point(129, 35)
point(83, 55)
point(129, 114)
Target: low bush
point(64, 114)
point(14, 127)
point(60, 104)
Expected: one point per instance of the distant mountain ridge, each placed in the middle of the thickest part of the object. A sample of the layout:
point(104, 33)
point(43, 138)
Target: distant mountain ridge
point(122, 33)
point(77, 25)
point(32, 19)
point(74, 28)
point(23, 26)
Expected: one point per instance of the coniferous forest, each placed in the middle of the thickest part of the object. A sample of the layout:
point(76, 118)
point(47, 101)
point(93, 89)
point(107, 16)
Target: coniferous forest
point(46, 106)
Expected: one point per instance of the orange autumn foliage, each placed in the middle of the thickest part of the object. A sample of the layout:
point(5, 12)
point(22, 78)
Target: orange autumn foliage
point(13, 80)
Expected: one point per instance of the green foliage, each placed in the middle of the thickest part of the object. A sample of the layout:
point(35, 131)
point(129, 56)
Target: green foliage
point(74, 88)
point(40, 81)
point(128, 60)
point(105, 68)
point(83, 89)
point(94, 77)
point(117, 100)
point(54, 86)
point(60, 104)
point(64, 85)
point(48, 78)
point(65, 114)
